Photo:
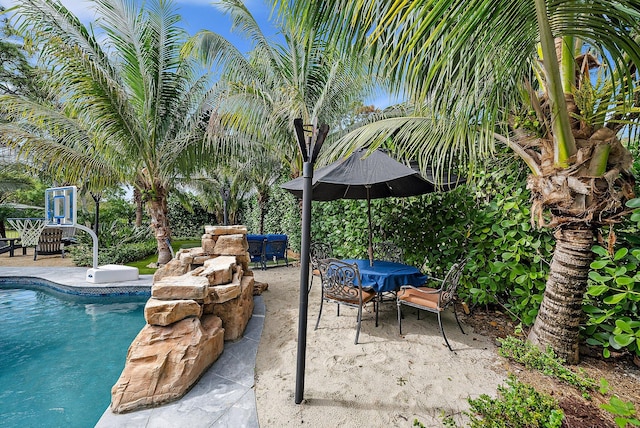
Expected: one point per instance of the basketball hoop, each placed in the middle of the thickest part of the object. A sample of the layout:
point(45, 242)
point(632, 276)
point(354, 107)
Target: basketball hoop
point(29, 229)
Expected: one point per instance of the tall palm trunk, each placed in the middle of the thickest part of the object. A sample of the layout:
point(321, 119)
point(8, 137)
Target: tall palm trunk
point(157, 206)
point(558, 320)
point(263, 200)
point(137, 199)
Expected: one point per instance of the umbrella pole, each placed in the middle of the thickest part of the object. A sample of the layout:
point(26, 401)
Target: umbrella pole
point(304, 281)
point(370, 233)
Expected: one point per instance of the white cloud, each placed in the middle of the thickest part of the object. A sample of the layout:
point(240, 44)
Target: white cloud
point(83, 9)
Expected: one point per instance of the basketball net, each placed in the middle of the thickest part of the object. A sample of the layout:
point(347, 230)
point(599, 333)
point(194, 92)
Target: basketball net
point(29, 229)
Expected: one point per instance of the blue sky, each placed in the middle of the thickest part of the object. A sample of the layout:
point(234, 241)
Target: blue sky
point(196, 14)
point(202, 14)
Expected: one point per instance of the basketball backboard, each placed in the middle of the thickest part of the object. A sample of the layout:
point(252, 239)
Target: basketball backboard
point(60, 206)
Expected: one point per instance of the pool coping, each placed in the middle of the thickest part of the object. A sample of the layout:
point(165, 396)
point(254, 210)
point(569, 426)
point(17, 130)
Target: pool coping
point(223, 396)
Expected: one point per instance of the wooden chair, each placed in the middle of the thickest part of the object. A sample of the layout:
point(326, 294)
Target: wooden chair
point(388, 251)
point(341, 284)
point(50, 242)
point(318, 251)
point(434, 300)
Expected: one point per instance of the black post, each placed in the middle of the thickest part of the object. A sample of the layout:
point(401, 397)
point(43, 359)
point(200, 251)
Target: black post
point(225, 192)
point(307, 173)
point(309, 148)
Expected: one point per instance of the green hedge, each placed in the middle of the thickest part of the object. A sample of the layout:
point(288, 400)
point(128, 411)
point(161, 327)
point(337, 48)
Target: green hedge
point(282, 216)
point(82, 254)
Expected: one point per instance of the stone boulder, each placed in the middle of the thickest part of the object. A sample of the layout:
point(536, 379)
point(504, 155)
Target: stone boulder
point(208, 243)
point(225, 230)
point(187, 286)
point(231, 245)
point(236, 313)
point(259, 287)
point(218, 270)
point(164, 362)
point(175, 267)
point(166, 312)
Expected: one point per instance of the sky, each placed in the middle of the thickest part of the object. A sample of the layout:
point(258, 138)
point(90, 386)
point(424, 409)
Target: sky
point(196, 15)
point(203, 15)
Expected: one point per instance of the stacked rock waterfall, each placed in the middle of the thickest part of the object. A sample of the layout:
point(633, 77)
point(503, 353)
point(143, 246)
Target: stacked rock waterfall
point(199, 299)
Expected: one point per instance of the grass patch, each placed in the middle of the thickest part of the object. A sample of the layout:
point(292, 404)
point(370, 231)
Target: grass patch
point(176, 245)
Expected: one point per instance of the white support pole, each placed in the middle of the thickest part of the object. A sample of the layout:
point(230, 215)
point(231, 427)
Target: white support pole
point(95, 243)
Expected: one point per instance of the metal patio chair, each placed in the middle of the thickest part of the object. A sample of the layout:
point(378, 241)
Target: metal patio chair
point(318, 251)
point(341, 284)
point(388, 251)
point(434, 300)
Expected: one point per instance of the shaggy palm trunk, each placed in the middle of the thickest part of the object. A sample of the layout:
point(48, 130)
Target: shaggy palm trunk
point(137, 198)
point(263, 200)
point(557, 323)
point(158, 210)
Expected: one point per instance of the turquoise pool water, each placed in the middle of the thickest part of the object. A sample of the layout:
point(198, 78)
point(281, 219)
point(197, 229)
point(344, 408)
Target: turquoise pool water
point(59, 358)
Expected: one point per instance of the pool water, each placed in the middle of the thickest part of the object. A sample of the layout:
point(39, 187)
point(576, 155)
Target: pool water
point(60, 358)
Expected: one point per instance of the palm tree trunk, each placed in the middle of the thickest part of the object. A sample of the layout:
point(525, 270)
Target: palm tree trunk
point(557, 323)
point(137, 199)
point(263, 200)
point(160, 223)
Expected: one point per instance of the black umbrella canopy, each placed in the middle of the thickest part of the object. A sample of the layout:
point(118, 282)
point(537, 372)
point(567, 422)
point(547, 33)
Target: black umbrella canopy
point(364, 177)
point(351, 177)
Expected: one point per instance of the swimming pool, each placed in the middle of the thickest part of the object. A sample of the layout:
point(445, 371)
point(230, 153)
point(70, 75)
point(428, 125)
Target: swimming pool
point(60, 355)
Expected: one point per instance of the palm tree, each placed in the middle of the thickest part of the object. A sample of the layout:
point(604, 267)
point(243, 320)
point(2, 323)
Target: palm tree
point(477, 70)
point(259, 96)
point(127, 102)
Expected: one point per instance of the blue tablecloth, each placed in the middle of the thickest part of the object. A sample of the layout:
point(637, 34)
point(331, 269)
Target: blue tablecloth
point(384, 276)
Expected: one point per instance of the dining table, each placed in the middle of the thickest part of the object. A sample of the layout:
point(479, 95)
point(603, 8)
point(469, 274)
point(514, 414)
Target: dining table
point(385, 276)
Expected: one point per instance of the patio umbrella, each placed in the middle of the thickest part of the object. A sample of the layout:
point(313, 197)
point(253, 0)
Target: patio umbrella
point(371, 177)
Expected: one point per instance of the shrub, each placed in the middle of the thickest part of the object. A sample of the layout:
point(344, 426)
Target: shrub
point(282, 216)
point(518, 405)
point(188, 223)
point(546, 362)
point(82, 254)
point(612, 301)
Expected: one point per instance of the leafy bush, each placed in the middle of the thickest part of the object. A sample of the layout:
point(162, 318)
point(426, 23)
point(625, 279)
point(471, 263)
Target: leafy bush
point(546, 362)
point(612, 302)
point(82, 254)
point(518, 405)
point(114, 234)
point(188, 223)
point(487, 220)
point(118, 243)
point(282, 216)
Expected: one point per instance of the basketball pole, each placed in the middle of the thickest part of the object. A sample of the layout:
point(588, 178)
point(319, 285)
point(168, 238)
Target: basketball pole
point(94, 237)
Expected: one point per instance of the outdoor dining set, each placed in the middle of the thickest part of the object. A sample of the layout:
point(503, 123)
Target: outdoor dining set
point(372, 174)
point(357, 282)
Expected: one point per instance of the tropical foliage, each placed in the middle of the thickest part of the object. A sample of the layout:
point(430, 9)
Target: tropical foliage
point(259, 96)
point(471, 73)
point(125, 104)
